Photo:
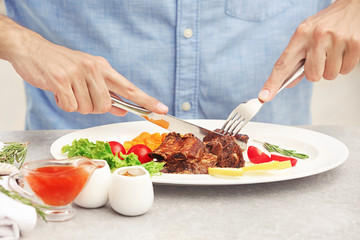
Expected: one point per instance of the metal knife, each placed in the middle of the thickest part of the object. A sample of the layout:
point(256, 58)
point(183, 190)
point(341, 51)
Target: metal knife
point(166, 121)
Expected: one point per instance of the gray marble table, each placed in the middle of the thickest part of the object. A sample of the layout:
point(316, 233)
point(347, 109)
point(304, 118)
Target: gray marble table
point(323, 206)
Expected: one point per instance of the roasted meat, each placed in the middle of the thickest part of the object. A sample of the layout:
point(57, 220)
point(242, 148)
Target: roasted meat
point(242, 139)
point(191, 166)
point(177, 148)
point(188, 154)
point(226, 149)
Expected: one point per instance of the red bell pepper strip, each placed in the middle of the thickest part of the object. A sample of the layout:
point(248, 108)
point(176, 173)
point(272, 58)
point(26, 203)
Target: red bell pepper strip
point(275, 157)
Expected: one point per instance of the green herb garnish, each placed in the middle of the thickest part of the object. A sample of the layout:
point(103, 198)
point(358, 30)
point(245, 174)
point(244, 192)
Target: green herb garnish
point(13, 151)
point(14, 195)
point(284, 152)
point(102, 150)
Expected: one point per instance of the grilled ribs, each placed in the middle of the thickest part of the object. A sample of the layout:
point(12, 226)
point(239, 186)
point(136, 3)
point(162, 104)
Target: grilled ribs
point(189, 155)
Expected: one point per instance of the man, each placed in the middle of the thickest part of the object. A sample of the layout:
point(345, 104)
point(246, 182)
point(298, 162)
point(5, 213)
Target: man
point(199, 58)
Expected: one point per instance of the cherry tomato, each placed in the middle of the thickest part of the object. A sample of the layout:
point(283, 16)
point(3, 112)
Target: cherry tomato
point(255, 155)
point(279, 158)
point(117, 148)
point(142, 151)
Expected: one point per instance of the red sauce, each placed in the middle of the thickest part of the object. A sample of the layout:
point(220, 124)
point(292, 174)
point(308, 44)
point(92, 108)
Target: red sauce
point(57, 185)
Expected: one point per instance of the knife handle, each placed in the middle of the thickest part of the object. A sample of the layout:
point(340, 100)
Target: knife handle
point(135, 109)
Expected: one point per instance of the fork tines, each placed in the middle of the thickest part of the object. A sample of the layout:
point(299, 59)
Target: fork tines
point(233, 124)
point(240, 116)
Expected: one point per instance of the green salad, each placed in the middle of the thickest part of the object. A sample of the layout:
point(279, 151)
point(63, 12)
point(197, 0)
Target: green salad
point(102, 150)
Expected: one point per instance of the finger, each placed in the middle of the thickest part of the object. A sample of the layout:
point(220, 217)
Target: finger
point(82, 95)
point(333, 61)
point(64, 96)
point(283, 68)
point(66, 101)
point(351, 57)
point(315, 63)
point(121, 86)
point(118, 111)
point(100, 97)
point(285, 65)
point(98, 90)
point(349, 63)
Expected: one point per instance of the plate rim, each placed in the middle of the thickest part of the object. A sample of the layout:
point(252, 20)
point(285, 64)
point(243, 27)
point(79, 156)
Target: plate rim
point(167, 180)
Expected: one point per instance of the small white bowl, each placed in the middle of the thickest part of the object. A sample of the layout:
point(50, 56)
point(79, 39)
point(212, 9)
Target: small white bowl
point(131, 191)
point(96, 191)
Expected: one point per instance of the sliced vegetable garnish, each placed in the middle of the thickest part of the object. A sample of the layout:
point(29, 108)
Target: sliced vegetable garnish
point(273, 165)
point(279, 158)
point(142, 151)
point(255, 155)
point(117, 148)
point(235, 172)
point(285, 164)
point(153, 141)
point(102, 150)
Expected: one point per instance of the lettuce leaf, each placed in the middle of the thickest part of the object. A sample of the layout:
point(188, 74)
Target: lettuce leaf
point(102, 150)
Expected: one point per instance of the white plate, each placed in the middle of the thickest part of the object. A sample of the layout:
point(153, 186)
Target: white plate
point(325, 152)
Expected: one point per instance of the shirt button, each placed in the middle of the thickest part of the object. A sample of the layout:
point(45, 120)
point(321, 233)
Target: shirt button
point(186, 106)
point(188, 33)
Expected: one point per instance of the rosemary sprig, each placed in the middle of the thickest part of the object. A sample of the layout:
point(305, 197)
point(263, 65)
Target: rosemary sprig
point(14, 195)
point(13, 151)
point(284, 152)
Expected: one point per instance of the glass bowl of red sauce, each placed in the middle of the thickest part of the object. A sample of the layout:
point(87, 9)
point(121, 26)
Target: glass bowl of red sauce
point(54, 184)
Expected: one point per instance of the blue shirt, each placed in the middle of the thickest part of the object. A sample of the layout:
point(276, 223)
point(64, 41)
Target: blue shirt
point(200, 58)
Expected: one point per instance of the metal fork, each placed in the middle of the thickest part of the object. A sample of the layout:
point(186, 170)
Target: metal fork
point(243, 113)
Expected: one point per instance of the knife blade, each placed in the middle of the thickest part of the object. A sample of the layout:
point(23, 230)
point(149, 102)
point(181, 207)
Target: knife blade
point(166, 121)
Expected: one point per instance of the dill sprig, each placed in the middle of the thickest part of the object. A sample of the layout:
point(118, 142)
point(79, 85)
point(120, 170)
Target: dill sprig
point(13, 151)
point(14, 195)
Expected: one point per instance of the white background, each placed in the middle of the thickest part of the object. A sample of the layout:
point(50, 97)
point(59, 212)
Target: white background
point(334, 102)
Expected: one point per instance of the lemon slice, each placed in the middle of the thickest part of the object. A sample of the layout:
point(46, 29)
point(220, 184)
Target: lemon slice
point(284, 164)
point(234, 172)
point(262, 166)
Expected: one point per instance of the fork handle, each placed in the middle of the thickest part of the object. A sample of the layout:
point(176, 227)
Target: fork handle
point(298, 71)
